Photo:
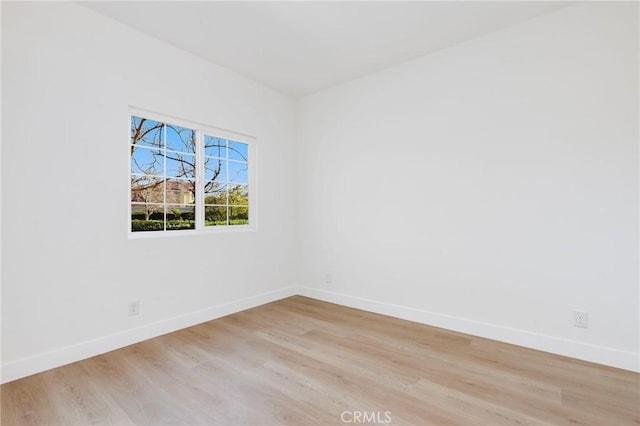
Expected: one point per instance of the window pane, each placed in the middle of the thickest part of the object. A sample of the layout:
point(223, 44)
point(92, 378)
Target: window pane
point(148, 161)
point(181, 165)
point(181, 139)
point(147, 189)
point(238, 172)
point(239, 195)
point(180, 217)
point(145, 132)
point(147, 217)
point(238, 151)
point(213, 187)
point(180, 191)
point(238, 215)
point(215, 170)
point(215, 215)
point(215, 147)
point(215, 194)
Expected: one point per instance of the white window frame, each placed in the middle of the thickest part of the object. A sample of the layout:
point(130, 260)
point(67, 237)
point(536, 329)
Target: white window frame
point(200, 131)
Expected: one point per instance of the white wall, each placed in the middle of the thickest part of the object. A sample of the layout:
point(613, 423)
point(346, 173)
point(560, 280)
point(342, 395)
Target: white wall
point(69, 270)
point(491, 187)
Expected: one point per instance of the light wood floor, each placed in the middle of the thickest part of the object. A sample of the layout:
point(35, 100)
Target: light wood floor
point(303, 362)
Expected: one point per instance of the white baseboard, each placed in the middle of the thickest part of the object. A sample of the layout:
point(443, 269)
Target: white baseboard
point(68, 354)
point(597, 354)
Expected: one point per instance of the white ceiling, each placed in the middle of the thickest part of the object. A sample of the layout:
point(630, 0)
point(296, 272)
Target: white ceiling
point(302, 47)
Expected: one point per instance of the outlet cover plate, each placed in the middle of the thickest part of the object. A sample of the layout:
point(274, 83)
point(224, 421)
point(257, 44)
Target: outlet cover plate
point(581, 319)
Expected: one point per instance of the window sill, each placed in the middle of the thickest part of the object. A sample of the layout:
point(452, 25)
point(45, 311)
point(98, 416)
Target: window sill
point(214, 230)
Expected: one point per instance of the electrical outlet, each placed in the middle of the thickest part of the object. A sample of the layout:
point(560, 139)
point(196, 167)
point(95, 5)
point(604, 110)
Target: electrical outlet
point(581, 319)
point(134, 308)
point(328, 278)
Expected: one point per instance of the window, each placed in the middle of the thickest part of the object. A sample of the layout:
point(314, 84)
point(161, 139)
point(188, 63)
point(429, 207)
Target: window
point(226, 187)
point(187, 177)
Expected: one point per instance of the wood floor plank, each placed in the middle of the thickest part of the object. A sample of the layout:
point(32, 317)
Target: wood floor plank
point(300, 361)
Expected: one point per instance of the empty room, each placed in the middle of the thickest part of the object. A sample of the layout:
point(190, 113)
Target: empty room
point(320, 213)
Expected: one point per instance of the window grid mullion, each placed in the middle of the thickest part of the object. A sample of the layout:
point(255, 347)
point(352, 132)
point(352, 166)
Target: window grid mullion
point(199, 180)
point(226, 180)
point(164, 171)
